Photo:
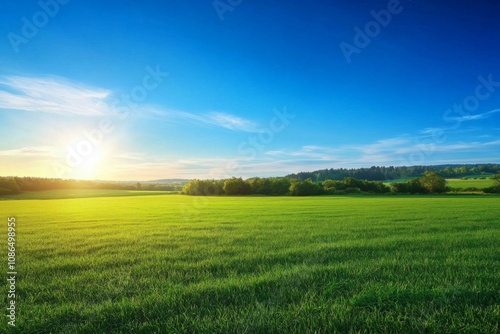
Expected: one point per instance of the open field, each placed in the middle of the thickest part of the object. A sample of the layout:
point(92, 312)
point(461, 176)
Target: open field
point(404, 179)
point(79, 193)
point(470, 183)
point(478, 176)
point(477, 181)
point(179, 264)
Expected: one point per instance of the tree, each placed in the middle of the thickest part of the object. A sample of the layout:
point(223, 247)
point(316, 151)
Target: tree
point(9, 186)
point(279, 186)
point(409, 187)
point(351, 182)
point(203, 188)
point(399, 187)
point(305, 188)
point(433, 183)
point(496, 187)
point(257, 185)
point(331, 186)
point(236, 186)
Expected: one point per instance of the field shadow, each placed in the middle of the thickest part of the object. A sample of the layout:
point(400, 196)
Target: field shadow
point(389, 297)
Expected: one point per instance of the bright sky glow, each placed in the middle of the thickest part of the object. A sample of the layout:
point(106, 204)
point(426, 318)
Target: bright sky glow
point(177, 89)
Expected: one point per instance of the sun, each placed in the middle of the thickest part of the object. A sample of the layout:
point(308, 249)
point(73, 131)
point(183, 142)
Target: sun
point(90, 166)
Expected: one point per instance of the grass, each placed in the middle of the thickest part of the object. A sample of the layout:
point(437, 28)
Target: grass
point(478, 176)
point(401, 180)
point(79, 193)
point(178, 264)
point(470, 183)
point(479, 182)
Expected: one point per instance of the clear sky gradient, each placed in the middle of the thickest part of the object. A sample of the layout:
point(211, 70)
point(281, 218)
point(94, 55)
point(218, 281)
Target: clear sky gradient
point(128, 90)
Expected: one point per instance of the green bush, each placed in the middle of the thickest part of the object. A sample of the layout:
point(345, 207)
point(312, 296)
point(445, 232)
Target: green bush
point(353, 190)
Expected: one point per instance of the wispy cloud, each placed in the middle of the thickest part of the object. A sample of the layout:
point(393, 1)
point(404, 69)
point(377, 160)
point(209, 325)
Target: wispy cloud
point(217, 119)
point(58, 95)
point(28, 161)
point(52, 95)
point(230, 122)
point(475, 117)
point(383, 145)
point(313, 152)
point(463, 146)
point(205, 168)
point(330, 153)
point(391, 151)
point(34, 151)
point(432, 131)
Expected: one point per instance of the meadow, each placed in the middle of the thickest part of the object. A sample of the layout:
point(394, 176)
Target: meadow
point(471, 183)
point(329, 264)
point(79, 193)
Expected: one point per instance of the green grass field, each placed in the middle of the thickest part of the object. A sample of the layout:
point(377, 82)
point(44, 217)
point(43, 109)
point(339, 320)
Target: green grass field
point(404, 179)
point(470, 183)
point(179, 264)
point(79, 193)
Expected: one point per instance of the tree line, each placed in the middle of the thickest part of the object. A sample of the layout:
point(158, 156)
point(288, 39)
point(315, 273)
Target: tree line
point(381, 173)
point(426, 181)
point(282, 186)
point(17, 185)
point(429, 183)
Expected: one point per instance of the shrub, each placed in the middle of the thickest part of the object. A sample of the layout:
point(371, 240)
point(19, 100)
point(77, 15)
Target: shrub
point(353, 190)
point(236, 186)
point(203, 188)
point(305, 188)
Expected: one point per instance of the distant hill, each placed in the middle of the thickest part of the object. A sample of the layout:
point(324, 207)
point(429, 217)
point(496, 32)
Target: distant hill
point(13, 185)
point(382, 173)
point(168, 181)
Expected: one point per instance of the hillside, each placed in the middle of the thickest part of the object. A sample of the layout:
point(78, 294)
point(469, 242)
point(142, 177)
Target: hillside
point(382, 173)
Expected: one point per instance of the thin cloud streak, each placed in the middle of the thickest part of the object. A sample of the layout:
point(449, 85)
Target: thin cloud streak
point(473, 146)
point(384, 152)
point(33, 151)
point(53, 95)
point(56, 95)
point(217, 119)
point(475, 117)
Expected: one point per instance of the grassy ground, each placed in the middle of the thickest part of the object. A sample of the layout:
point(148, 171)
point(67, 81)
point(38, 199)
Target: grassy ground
point(405, 179)
point(470, 183)
point(79, 193)
point(178, 264)
point(478, 176)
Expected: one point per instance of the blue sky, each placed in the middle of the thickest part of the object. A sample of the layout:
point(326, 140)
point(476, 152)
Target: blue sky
point(211, 89)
